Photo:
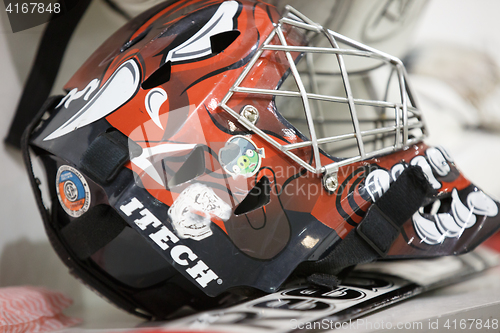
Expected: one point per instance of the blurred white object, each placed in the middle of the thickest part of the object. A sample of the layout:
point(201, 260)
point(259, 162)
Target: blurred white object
point(474, 75)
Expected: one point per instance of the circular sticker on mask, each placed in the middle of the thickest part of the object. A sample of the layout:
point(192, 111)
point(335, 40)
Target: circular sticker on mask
point(241, 157)
point(72, 191)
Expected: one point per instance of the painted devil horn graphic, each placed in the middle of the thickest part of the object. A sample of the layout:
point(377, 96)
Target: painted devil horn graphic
point(199, 44)
point(153, 101)
point(74, 94)
point(119, 88)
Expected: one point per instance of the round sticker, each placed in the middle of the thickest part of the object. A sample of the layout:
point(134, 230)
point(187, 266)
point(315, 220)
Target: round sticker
point(72, 190)
point(240, 156)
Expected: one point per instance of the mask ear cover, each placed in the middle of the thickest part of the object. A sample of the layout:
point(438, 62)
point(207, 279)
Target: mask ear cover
point(158, 301)
point(76, 240)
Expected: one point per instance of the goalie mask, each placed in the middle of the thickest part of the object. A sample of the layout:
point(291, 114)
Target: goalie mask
point(211, 149)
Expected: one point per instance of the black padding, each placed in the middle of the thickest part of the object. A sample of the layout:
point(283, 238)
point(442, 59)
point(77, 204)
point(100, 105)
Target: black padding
point(106, 155)
point(44, 70)
point(93, 230)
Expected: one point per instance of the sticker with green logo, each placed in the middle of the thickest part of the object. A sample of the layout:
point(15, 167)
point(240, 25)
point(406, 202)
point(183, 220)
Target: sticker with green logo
point(240, 156)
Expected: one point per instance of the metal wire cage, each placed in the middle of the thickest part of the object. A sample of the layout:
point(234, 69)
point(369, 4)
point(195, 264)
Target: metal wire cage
point(344, 113)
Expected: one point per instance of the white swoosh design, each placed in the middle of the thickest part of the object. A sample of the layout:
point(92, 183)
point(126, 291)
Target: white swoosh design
point(75, 94)
point(119, 88)
point(199, 44)
point(153, 102)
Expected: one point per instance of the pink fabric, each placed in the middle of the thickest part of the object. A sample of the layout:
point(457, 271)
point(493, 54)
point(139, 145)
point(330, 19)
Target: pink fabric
point(33, 309)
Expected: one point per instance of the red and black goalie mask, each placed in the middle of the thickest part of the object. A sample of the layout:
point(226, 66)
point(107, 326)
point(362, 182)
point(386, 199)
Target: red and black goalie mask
point(216, 147)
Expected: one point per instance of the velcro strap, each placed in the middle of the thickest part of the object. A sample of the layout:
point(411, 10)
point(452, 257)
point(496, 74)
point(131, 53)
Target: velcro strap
point(383, 222)
point(106, 155)
point(380, 227)
point(378, 230)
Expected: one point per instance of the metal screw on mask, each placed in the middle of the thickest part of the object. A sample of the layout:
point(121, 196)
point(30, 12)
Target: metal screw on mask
point(251, 113)
point(330, 182)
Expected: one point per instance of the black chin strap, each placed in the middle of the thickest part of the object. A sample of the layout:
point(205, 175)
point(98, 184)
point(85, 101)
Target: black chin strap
point(43, 73)
point(375, 234)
